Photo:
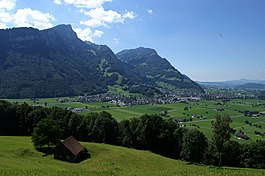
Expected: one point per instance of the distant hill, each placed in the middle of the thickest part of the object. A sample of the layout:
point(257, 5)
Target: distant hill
point(232, 83)
point(55, 62)
point(251, 86)
point(155, 70)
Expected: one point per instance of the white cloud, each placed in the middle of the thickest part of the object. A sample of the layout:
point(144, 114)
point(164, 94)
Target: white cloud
point(58, 2)
point(150, 11)
point(7, 4)
point(33, 18)
point(87, 34)
point(101, 14)
point(87, 3)
point(3, 25)
point(91, 23)
point(5, 17)
point(129, 14)
point(101, 17)
point(97, 16)
point(98, 33)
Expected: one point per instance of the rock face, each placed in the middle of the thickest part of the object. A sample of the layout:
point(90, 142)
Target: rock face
point(55, 62)
point(156, 71)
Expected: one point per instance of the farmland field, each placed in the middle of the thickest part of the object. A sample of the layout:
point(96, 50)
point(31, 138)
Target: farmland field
point(18, 157)
point(207, 109)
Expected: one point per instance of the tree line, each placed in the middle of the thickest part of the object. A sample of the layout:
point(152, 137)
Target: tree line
point(148, 132)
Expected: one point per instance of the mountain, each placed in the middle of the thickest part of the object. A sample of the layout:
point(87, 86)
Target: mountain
point(55, 62)
point(156, 71)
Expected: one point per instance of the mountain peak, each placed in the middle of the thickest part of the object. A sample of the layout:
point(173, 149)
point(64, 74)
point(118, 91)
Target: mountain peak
point(65, 30)
point(155, 70)
point(63, 27)
point(144, 51)
point(140, 54)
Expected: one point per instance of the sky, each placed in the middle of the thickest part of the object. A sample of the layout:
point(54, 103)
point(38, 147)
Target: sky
point(207, 40)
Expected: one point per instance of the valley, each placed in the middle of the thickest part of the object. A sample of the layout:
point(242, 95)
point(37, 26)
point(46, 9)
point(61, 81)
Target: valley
point(191, 114)
point(132, 88)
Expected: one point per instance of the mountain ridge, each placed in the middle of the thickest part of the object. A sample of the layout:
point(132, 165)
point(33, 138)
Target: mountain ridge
point(55, 62)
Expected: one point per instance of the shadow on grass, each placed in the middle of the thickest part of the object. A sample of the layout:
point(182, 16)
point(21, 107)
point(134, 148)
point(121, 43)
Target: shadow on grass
point(65, 157)
point(224, 168)
point(45, 150)
point(215, 167)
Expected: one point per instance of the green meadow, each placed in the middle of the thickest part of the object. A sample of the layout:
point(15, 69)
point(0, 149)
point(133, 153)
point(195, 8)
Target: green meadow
point(18, 158)
point(208, 109)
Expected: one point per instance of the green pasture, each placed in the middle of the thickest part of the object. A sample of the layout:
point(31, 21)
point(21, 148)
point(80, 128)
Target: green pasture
point(208, 109)
point(18, 158)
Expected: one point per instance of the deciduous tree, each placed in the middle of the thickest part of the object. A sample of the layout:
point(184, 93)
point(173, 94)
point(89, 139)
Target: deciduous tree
point(194, 146)
point(221, 135)
point(45, 134)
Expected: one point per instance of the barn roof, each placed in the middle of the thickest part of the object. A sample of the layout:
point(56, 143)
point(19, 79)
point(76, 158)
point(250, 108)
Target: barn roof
point(73, 145)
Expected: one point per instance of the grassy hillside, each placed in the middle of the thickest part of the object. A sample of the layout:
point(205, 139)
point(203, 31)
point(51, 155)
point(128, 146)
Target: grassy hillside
point(18, 157)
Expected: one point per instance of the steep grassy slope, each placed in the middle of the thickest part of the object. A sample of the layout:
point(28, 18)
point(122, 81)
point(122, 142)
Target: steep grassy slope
point(18, 157)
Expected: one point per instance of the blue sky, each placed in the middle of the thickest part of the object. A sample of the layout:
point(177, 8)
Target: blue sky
point(208, 40)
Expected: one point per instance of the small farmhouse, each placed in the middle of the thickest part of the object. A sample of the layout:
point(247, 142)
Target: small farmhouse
point(242, 136)
point(70, 150)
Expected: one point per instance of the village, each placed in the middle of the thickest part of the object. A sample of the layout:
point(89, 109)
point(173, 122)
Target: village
point(168, 97)
point(121, 100)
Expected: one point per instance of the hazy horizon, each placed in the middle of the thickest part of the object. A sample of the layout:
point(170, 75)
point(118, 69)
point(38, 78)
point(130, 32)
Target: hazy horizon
point(231, 80)
point(206, 40)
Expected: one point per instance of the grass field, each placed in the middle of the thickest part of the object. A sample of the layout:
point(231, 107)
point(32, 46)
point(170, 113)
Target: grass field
point(18, 158)
point(208, 109)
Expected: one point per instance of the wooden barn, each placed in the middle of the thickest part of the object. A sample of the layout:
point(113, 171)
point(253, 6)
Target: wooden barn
point(70, 150)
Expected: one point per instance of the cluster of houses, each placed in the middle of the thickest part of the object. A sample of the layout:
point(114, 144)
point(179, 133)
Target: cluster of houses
point(254, 114)
point(121, 100)
point(77, 109)
point(230, 95)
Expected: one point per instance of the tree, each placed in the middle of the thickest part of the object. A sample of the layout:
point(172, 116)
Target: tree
point(221, 135)
point(45, 134)
point(9, 119)
point(253, 155)
point(105, 129)
point(79, 127)
point(168, 140)
point(149, 129)
point(232, 154)
point(62, 117)
point(126, 133)
point(194, 146)
point(179, 133)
